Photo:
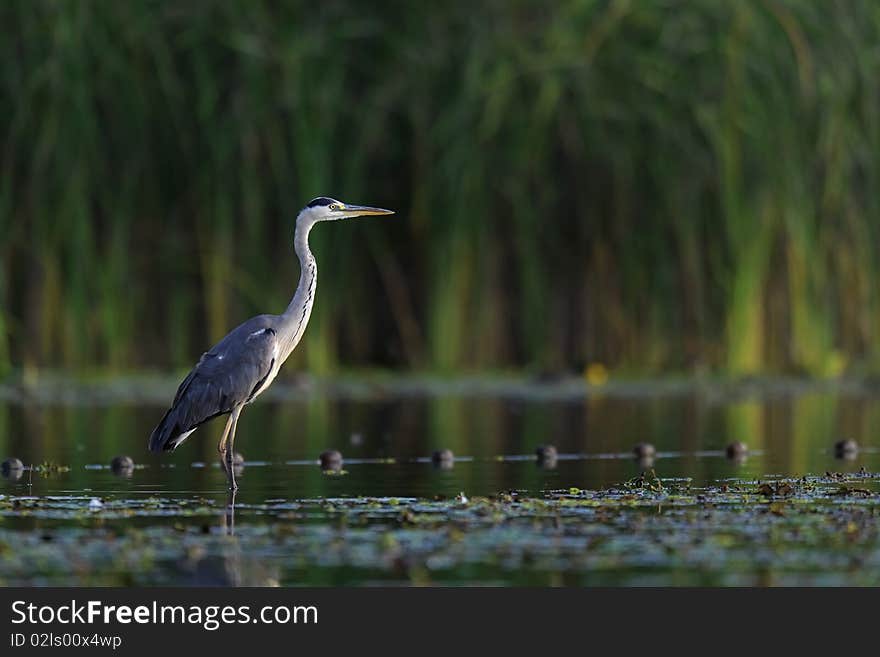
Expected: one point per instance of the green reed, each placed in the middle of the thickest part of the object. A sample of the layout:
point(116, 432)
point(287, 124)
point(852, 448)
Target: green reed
point(653, 185)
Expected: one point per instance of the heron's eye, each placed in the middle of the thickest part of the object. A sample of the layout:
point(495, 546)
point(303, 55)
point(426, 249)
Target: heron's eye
point(334, 206)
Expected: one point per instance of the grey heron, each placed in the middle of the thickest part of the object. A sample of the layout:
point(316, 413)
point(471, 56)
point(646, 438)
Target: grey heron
point(235, 371)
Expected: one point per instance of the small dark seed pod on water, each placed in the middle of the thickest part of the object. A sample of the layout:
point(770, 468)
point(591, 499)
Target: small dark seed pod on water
point(12, 468)
point(846, 449)
point(237, 463)
point(644, 454)
point(122, 465)
point(443, 458)
point(547, 456)
point(331, 459)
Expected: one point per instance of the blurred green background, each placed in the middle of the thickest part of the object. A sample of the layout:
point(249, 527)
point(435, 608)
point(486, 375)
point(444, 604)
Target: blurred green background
point(655, 185)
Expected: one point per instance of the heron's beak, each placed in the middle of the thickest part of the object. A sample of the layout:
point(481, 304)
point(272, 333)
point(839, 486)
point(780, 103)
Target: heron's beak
point(362, 211)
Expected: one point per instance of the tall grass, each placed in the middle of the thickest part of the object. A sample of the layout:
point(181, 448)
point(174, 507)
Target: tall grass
point(666, 184)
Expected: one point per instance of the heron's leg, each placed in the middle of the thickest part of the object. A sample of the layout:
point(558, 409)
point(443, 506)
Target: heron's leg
point(221, 446)
point(230, 451)
point(229, 516)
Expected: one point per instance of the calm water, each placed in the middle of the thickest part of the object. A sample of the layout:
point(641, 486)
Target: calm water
point(493, 439)
point(394, 517)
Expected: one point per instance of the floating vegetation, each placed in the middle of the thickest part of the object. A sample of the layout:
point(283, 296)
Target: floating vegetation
point(648, 480)
point(49, 468)
point(808, 530)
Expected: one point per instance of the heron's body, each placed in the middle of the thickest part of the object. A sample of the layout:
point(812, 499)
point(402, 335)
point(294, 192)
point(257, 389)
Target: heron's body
point(239, 368)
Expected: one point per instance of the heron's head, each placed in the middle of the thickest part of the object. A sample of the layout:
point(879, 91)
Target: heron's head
point(329, 209)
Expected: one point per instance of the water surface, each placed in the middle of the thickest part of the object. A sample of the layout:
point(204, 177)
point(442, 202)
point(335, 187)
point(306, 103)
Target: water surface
point(387, 443)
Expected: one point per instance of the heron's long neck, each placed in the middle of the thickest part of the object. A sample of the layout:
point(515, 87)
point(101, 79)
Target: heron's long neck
point(296, 317)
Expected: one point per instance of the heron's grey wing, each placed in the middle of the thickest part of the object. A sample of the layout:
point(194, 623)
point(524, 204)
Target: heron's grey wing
point(225, 377)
